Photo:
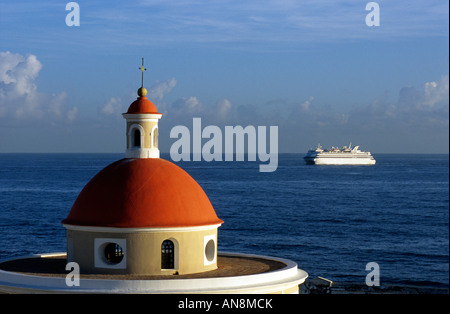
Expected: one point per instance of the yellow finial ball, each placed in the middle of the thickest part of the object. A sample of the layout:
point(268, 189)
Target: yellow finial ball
point(142, 92)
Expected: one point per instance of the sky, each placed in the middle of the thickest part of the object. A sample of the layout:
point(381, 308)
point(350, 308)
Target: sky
point(313, 68)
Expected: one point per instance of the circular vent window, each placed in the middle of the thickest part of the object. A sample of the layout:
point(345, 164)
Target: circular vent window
point(210, 250)
point(113, 253)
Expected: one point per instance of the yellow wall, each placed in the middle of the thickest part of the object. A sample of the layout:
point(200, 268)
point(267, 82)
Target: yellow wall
point(143, 251)
point(147, 126)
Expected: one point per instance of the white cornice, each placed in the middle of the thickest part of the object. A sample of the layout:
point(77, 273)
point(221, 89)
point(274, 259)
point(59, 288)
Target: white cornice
point(138, 230)
point(152, 117)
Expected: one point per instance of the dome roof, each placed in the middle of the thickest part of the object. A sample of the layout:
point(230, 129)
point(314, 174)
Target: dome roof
point(135, 193)
point(142, 105)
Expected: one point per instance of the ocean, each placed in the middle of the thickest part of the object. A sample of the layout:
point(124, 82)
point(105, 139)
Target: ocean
point(331, 220)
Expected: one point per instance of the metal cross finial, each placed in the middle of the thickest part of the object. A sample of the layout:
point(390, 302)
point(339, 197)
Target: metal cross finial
point(142, 69)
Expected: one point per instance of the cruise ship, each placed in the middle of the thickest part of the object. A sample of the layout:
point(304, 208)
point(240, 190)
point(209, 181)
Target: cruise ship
point(339, 156)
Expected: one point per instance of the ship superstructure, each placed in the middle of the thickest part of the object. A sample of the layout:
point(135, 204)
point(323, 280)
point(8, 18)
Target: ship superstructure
point(339, 156)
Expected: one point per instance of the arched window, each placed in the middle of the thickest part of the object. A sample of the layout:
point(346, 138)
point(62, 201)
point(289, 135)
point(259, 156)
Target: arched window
point(154, 137)
point(137, 138)
point(167, 255)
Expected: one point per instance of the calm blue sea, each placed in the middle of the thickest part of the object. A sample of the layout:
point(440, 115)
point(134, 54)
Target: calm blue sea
point(331, 220)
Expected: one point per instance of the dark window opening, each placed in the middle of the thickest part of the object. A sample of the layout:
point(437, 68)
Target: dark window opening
point(210, 250)
point(167, 255)
point(113, 253)
point(137, 138)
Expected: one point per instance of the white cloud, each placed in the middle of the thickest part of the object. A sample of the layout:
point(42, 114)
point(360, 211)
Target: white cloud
point(72, 113)
point(417, 111)
point(112, 107)
point(436, 92)
point(19, 95)
point(19, 72)
point(55, 104)
point(223, 108)
point(189, 105)
point(157, 91)
point(432, 94)
point(185, 108)
point(305, 106)
point(413, 109)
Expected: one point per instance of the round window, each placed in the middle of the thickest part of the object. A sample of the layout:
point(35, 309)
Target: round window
point(210, 250)
point(113, 253)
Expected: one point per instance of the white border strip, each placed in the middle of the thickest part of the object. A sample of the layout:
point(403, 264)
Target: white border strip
point(137, 230)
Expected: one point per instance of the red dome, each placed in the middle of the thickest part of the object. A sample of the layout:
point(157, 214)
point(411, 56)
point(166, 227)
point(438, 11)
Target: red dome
point(142, 105)
point(134, 193)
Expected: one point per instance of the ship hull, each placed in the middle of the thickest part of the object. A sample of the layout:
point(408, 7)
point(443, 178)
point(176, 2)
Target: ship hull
point(339, 161)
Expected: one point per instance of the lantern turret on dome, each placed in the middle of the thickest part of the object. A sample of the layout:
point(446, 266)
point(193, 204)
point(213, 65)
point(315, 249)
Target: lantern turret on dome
point(142, 125)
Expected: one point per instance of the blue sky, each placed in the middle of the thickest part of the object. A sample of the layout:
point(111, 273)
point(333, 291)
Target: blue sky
point(313, 68)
